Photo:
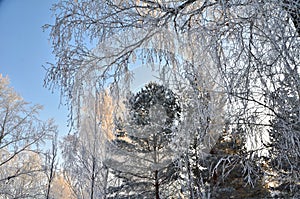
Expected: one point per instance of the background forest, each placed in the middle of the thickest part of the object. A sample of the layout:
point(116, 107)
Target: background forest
point(219, 119)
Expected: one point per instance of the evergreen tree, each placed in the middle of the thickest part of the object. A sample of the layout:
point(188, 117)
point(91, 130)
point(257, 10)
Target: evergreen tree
point(143, 160)
point(227, 174)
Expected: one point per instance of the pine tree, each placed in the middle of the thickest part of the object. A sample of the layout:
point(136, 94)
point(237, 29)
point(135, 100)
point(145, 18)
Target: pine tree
point(143, 160)
point(227, 176)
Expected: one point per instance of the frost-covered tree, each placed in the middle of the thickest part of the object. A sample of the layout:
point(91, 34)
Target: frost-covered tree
point(50, 164)
point(85, 151)
point(201, 124)
point(249, 44)
point(23, 164)
point(143, 161)
point(23, 176)
point(227, 159)
point(284, 136)
point(60, 188)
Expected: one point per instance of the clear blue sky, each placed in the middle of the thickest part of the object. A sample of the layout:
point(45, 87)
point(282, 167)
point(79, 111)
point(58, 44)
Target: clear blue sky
point(24, 48)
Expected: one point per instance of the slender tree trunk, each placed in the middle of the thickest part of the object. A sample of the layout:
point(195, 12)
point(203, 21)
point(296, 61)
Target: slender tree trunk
point(156, 185)
point(105, 183)
point(190, 182)
point(52, 166)
point(93, 177)
point(50, 180)
point(156, 171)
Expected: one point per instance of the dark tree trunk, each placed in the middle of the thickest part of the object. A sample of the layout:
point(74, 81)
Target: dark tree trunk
point(93, 177)
point(156, 185)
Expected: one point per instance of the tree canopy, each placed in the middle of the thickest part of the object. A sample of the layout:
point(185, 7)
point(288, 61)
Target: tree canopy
point(26, 167)
point(239, 58)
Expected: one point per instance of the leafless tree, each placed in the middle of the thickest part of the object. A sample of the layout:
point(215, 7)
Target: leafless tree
point(51, 164)
point(84, 151)
point(22, 135)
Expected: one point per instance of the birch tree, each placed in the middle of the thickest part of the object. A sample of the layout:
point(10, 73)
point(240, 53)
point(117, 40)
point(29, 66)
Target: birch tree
point(85, 151)
point(50, 164)
point(22, 135)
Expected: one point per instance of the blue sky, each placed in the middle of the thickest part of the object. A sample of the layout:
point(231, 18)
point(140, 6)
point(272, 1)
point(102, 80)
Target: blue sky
point(24, 48)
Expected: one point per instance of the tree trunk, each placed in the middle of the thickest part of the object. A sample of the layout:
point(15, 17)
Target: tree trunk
point(156, 171)
point(93, 177)
point(156, 185)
